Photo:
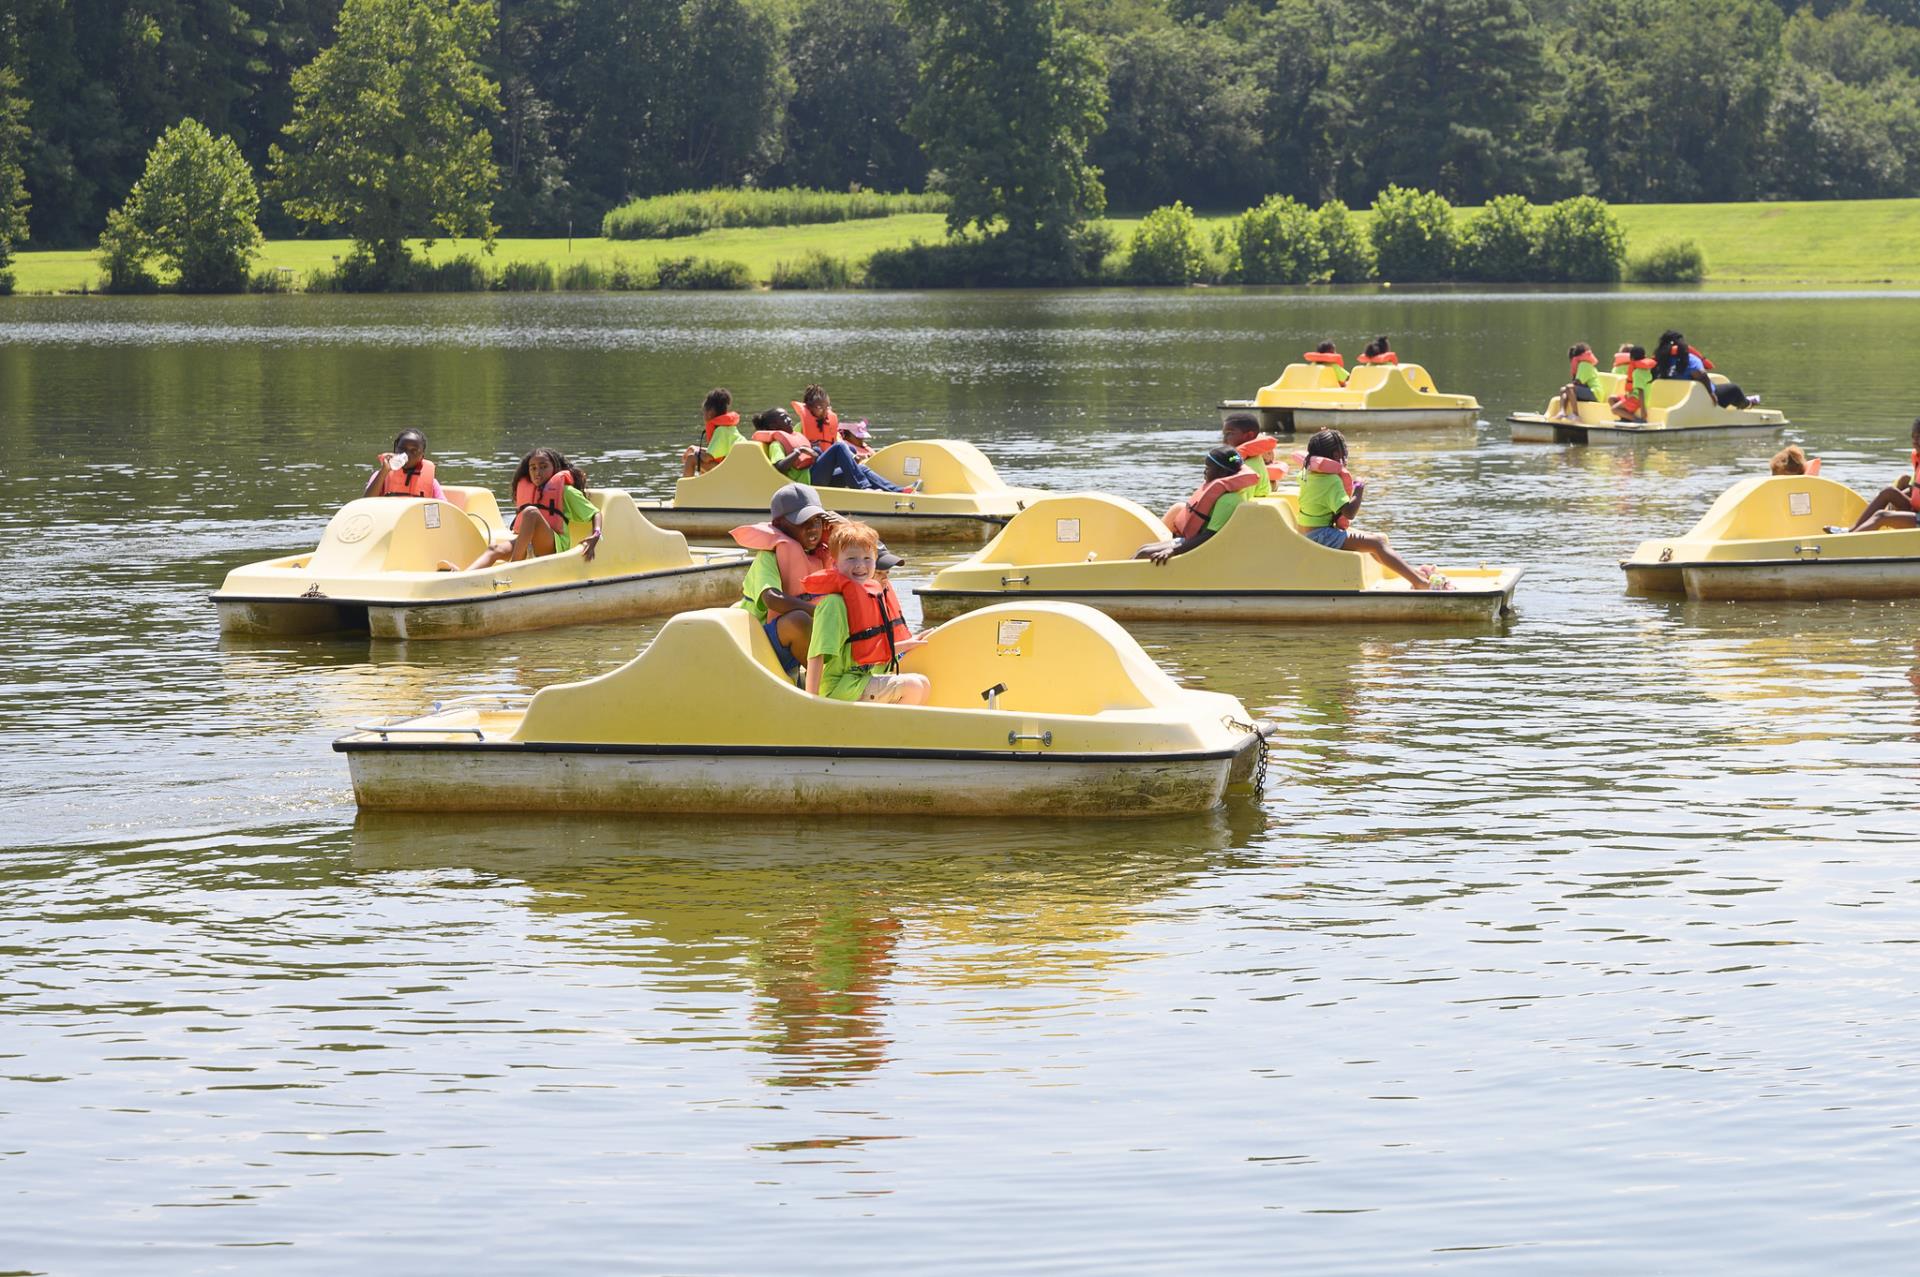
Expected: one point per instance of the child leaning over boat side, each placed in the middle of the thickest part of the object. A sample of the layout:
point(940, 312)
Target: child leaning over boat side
point(1895, 505)
point(549, 496)
point(721, 432)
point(405, 472)
point(1329, 499)
point(858, 635)
point(1226, 483)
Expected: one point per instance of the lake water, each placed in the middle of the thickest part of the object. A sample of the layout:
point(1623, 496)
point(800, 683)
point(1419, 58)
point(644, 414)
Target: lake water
point(1582, 944)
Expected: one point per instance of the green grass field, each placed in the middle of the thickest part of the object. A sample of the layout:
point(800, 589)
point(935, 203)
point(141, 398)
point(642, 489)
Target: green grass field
point(1802, 245)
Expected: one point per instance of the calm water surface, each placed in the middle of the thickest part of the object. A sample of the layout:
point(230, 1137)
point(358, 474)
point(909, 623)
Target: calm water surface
point(1580, 945)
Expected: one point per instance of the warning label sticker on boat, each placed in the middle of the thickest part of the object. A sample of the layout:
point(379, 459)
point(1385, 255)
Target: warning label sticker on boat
point(1011, 635)
point(1799, 503)
point(910, 466)
point(1066, 529)
point(432, 513)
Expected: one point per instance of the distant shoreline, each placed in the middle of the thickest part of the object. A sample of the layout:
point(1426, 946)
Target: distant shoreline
point(1790, 245)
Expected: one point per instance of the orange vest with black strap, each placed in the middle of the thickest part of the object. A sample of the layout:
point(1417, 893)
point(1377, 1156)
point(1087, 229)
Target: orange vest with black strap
point(550, 499)
point(406, 483)
point(1318, 357)
point(1388, 358)
point(821, 434)
point(724, 419)
point(1573, 365)
point(874, 625)
point(1187, 519)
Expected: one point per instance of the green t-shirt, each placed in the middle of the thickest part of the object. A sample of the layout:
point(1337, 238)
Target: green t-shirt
point(723, 441)
point(1321, 497)
point(1587, 375)
point(763, 574)
point(840, 678)
point(1262, 481)
point(578, 510)
point(1223, 510)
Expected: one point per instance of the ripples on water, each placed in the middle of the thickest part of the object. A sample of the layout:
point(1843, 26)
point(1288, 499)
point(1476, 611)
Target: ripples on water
point(1578, 945)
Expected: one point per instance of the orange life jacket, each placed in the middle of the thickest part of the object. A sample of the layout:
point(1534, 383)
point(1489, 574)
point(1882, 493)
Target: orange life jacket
point(792, 443)
point(550, 499)
point(406, 483)
point(1704, 361)
point(821, 434)
point(1188, 517)
point(1624, 360)
point(1262, 446)
point(724, 419)
point(1573, 365)
point(1315, 357)
point(796, 565)
point(874, 625)
point(1388, 358)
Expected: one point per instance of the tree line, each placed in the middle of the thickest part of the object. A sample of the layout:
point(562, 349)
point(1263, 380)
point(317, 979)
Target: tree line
point(581, 104)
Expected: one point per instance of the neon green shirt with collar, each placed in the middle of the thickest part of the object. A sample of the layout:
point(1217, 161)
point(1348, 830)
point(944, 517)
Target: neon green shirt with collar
point(1322, 496)
point(840, 678)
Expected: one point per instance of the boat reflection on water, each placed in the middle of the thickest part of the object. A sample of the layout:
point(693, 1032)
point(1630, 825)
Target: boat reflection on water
point(807, 925)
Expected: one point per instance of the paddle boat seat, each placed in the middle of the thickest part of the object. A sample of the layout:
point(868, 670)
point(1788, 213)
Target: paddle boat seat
point(1371, 387)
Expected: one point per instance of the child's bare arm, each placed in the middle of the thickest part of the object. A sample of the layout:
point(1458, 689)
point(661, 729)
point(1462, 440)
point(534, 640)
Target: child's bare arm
point(816, 670)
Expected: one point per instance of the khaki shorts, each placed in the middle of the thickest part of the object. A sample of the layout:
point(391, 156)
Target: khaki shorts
point(886, 689)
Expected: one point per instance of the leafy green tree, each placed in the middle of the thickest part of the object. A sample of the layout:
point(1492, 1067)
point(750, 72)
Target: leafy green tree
point(385, 139)
point(1166, 248)
point(14, 205)
point(1276, 243)
point(1009, 102)
point(1414, 237)
point(1183, 121)
point(1499, 243)
point(195, 209)
point(676, 95)
point(838, 139)
point(1448, 91)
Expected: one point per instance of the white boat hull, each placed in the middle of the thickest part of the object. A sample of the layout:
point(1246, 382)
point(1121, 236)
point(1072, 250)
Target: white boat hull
point(1413, 606)
point(1811, 581)
point(447, 776)
point(1533, 428)
point(609, 599)
point(1368, 420)
point(714, 523)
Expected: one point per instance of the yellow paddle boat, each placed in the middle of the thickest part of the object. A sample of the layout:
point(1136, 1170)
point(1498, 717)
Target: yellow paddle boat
point(957, 494)
point(1039, 709)
point(1260, 567)
point(1309, 397)
point(1676, 409)
point(374, 570)
point(1766, 538)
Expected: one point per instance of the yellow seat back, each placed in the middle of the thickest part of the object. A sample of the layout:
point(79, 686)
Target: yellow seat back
point(937, 466)
point(1072, 528)
point(395, 534)
point(1051, 661)
point(1780, 506)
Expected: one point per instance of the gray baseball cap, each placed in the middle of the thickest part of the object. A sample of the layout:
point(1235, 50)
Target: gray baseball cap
point(796, 503)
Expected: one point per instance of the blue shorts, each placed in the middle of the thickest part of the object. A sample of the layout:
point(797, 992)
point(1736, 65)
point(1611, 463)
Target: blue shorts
point(795, 670)
point(1331, 537)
